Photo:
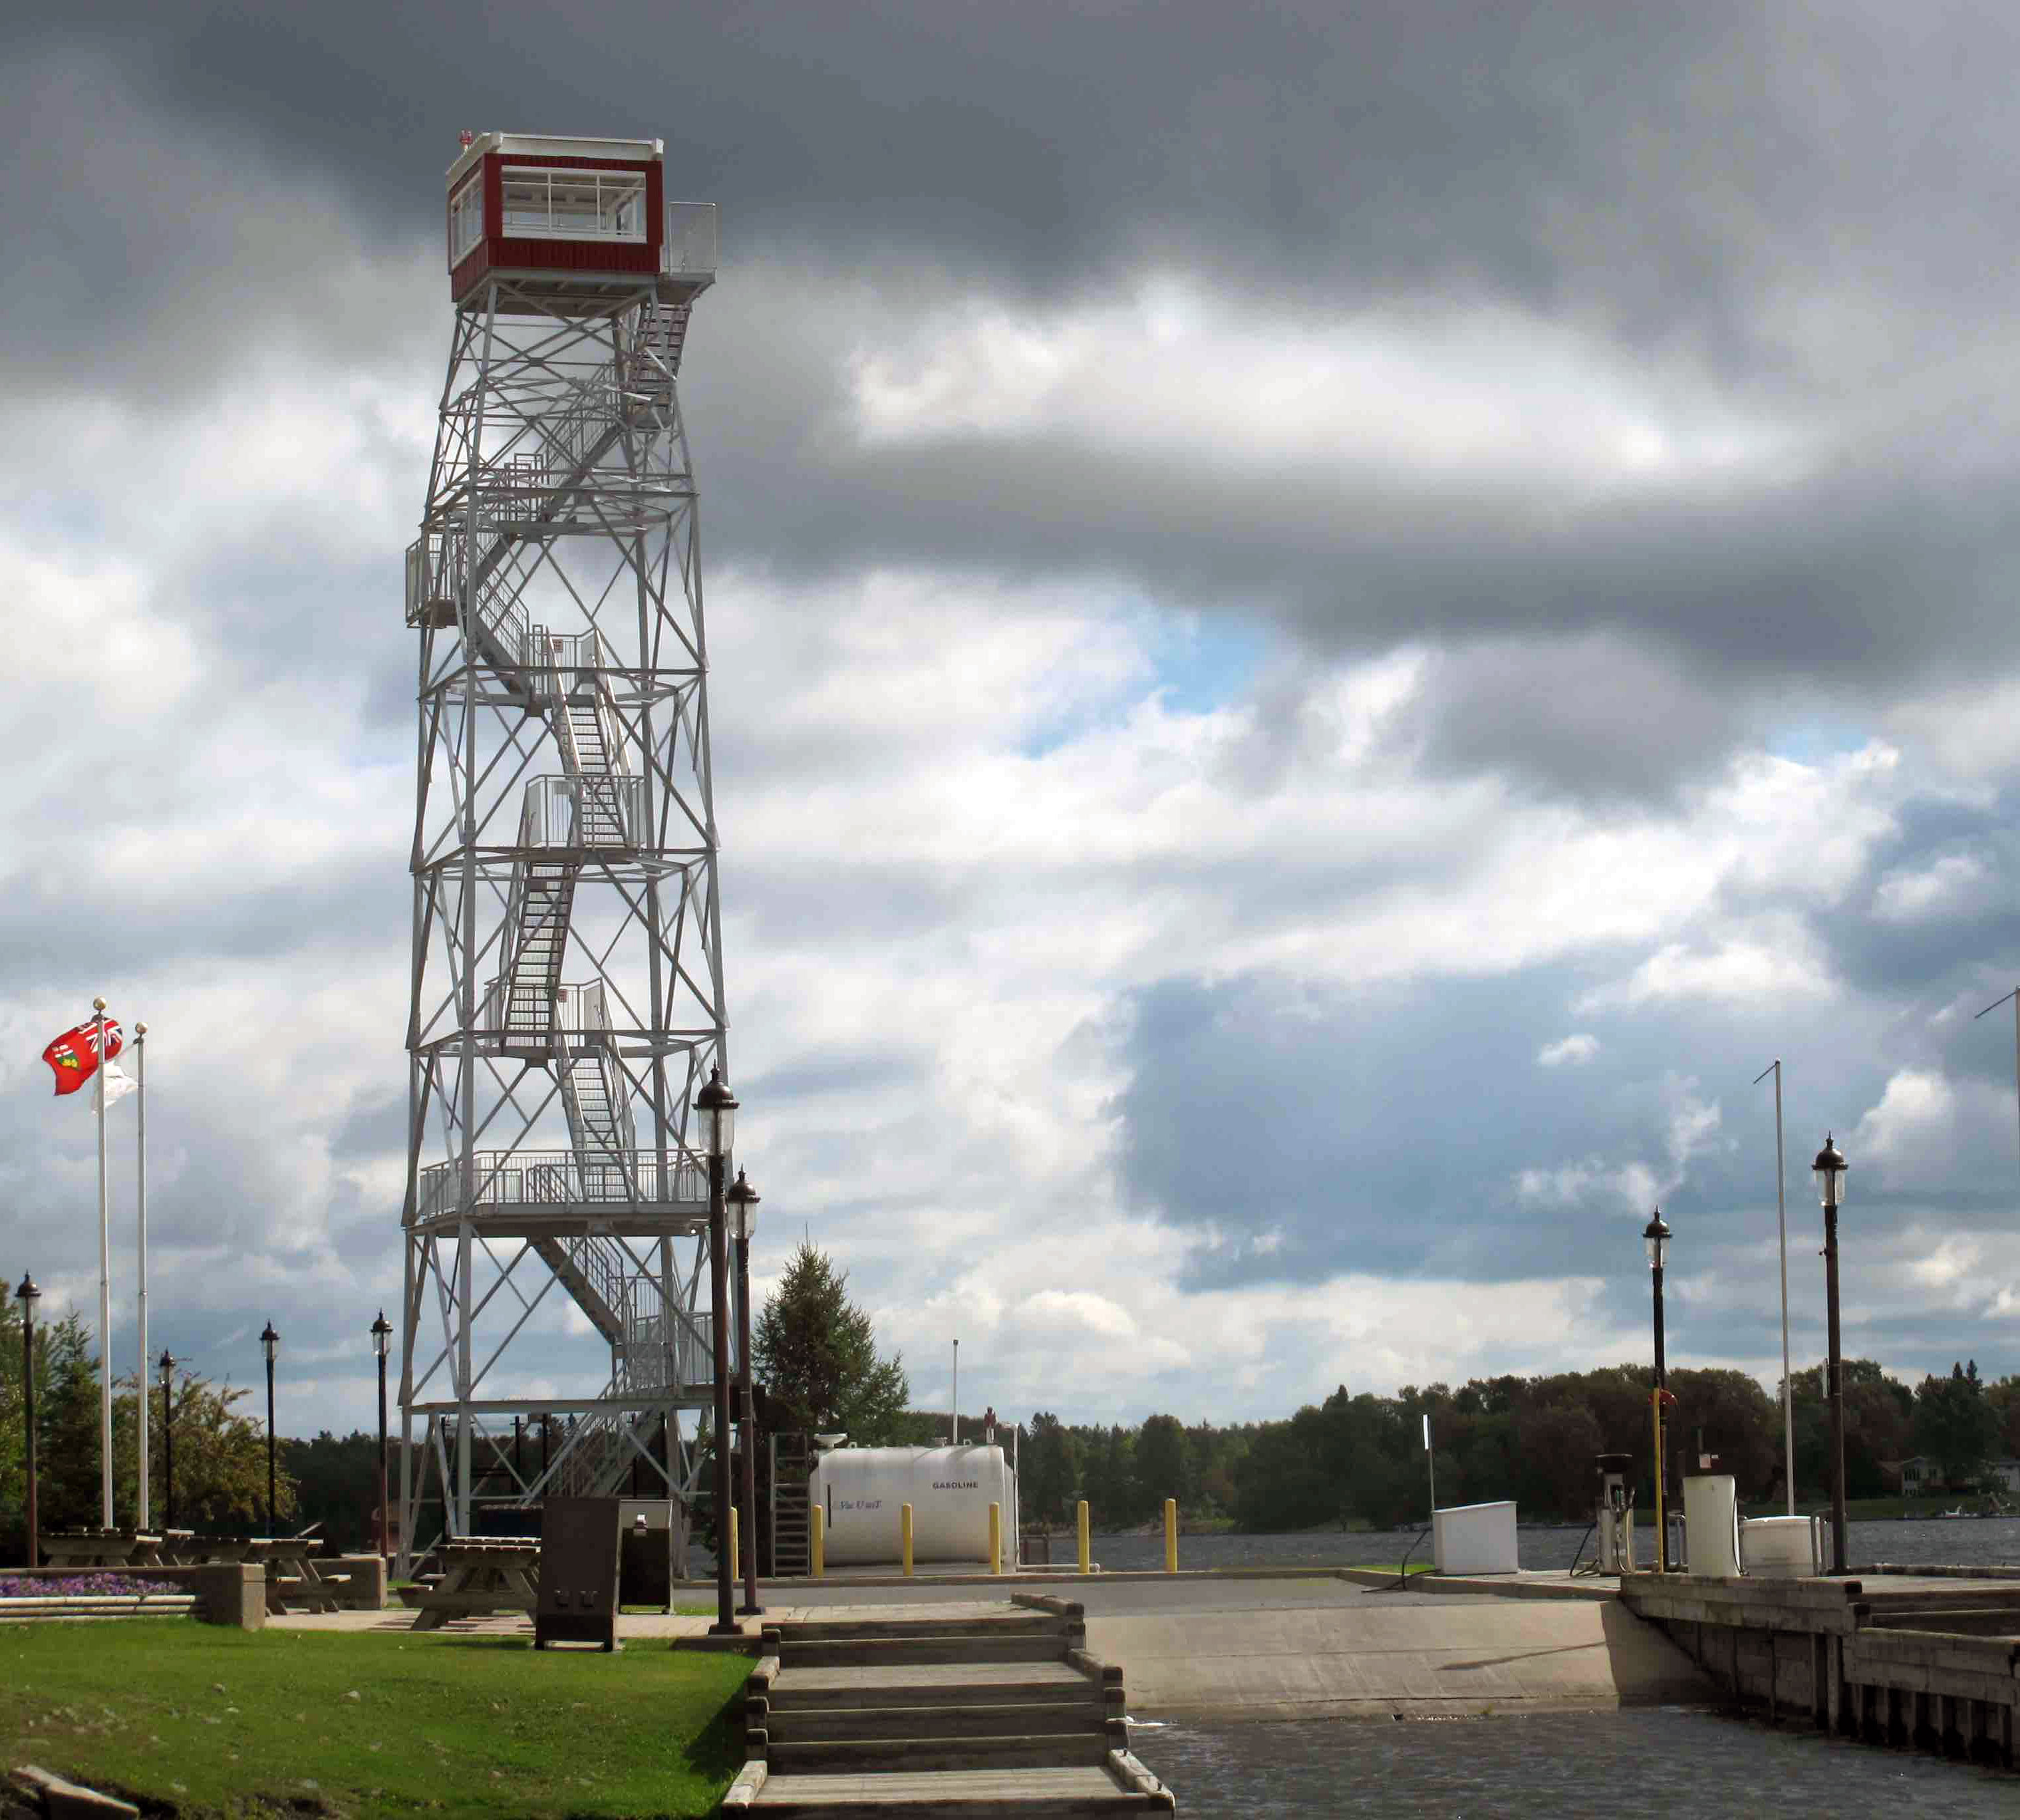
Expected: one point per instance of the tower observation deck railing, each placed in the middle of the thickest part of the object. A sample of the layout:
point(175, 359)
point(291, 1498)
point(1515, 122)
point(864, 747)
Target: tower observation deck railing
point(521, 1182)
point(689, 249)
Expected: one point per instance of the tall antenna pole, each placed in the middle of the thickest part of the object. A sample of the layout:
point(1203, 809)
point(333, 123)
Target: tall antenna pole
point(1781, 1228)
point(2015, 995)
point(957, 1393)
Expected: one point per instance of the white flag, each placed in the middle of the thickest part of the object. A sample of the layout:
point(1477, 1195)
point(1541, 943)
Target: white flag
point(118, 1083)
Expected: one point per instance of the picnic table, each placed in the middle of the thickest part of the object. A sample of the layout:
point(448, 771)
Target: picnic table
point(293, 1581)
point(481, 1575)
point(102, 1548)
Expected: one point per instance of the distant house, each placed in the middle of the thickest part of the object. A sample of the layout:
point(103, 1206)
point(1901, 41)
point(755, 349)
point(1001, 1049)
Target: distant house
point(1921, 1476)
point(1918, 1476)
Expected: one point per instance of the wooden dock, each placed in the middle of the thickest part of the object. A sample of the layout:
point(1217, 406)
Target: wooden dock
point(968, 1707)
point(1908, 1657)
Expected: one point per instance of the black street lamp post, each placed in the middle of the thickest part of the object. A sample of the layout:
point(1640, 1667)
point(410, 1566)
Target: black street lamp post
point(717, 1107)
point(270, 1343)
point(29, 1295)
point(1655, 1235)
point(742, 1200)
point(1830, 1167)
point(166, 1366)
point(382, 1339)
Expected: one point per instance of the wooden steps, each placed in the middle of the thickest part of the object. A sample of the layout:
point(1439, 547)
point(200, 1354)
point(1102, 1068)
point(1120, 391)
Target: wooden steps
point(976, 1707)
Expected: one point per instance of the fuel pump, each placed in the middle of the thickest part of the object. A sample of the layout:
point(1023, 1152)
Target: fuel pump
point(1615, 1520)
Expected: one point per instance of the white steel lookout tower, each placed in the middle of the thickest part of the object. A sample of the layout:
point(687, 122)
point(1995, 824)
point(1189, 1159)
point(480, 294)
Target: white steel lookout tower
point(567, 980)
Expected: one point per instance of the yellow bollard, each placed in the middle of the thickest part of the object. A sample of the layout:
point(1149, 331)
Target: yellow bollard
point(819, 1538)
point(1171, 1535)
point(905, 1534)
point(1080, 1521)
point(996, 1538)
point(735, 1559)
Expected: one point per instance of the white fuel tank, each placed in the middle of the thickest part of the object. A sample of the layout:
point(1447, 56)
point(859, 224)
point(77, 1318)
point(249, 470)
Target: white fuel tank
point(949, 1489)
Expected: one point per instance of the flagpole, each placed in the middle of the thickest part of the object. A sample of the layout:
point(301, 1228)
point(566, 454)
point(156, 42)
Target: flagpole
point(104, 1290)
point(140, 1065)
point(1782, 1226)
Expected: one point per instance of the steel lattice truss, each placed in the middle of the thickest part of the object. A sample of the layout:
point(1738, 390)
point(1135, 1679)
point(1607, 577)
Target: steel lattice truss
point(567, 977)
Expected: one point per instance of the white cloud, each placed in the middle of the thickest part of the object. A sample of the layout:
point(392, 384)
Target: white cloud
point(1440, 391)
point(1575, 1050)
point(1956, 882)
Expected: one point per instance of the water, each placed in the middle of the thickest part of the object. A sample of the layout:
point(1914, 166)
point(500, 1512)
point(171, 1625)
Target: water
point(1988, 1541)
point(1650, 1765)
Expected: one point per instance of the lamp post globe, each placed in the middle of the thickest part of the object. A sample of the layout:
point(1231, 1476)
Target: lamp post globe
point(382, 1341)
point(270, 1344)
point(29, 1296)
point(715, 1117)
point(1829, 1170)
point(742, 1200)
point(717, 1104)
point(165, 1368)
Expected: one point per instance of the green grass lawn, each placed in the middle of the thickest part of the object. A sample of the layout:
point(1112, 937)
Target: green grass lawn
point(195, 1720)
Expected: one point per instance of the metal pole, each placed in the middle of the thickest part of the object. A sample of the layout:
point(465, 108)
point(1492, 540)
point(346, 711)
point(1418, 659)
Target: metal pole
point(1781, 1231)
point(1787, 1382)
point(28, 1416)
point(382, 1455)
point(105, 1292)
point(1431, 1466)
point(169, 1450)
point(956, 1440)
point(273, 1519)
point(1661, 1384)
point(725, 1623)
point(140, 1378)
point(1836, 1367)
point(748, 1429)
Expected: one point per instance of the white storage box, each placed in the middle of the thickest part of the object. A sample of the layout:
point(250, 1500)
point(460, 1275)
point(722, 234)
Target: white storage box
point(1474, 1538)
point(1711, 1525)
point(1782, 1548)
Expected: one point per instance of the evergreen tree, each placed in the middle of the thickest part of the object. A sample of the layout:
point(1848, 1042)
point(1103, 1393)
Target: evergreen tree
point(1954, 1425)
point(1051, 1474)
point(816, 1352)
point(220, 1456)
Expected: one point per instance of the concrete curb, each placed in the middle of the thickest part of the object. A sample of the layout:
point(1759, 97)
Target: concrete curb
point(1498, 1585)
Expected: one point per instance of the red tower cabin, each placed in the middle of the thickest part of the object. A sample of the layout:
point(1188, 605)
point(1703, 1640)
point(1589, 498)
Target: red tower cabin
point(568, 224)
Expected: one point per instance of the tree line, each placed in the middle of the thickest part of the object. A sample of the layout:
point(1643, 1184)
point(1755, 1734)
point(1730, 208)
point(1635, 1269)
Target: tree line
point(1351, 1459)
point(1355, 1460)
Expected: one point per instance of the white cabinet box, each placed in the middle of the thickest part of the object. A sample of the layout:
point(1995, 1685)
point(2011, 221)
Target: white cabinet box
point(1782, 1548)
point(1474, 1538)
point(1711, 1525)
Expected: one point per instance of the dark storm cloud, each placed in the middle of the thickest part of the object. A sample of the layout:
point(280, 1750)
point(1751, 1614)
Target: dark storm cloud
point(1671, 160)
point(1807, 209)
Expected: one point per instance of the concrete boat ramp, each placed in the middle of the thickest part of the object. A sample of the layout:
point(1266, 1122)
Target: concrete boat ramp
point(1019, 1705)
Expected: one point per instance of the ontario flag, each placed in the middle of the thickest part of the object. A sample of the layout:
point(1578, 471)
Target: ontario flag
point(74, 1058)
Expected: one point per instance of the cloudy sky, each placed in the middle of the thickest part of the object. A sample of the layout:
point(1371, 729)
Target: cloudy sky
point(1330, 627)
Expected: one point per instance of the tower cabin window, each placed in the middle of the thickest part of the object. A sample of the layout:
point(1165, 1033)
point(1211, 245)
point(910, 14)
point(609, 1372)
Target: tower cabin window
point(466, 219)
point(549, 204)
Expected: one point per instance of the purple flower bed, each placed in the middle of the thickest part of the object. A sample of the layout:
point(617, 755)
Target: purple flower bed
point(75, 1585)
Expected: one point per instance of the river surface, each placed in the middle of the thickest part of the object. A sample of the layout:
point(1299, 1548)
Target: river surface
point(1650, 1764)
point(1646, 1765)
point(1977, 1542)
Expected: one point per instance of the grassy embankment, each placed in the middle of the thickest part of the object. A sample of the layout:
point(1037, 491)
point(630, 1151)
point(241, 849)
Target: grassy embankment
point(194, 1720)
